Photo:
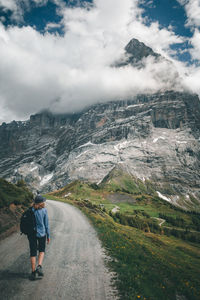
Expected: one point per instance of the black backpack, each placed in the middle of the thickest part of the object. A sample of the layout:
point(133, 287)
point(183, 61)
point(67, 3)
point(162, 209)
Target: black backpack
point(28, 222)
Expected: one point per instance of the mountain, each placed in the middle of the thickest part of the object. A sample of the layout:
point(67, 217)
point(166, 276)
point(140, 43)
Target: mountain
point(135, 52)
point(153, 137)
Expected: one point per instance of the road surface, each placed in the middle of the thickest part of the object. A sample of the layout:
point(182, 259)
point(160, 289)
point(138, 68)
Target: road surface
point(73, 265)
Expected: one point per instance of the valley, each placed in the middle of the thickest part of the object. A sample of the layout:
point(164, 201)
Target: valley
point(152, 259)
point(131, 164)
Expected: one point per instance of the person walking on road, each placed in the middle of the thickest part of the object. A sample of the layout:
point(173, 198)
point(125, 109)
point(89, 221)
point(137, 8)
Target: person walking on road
point(37, 239)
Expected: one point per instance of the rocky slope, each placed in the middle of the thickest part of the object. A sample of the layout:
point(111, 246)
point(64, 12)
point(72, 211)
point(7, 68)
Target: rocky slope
point(154, 137)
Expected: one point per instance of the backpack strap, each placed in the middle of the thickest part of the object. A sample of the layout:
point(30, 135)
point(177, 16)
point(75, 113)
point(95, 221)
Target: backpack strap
point(33, 217)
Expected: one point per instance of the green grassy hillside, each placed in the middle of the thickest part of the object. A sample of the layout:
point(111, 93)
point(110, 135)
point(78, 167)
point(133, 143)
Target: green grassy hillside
point(14, 198)
point(153, 245)
point(14, 193)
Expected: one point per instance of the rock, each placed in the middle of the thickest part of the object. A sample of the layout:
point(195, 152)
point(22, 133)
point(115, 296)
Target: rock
point(152, 136)
point(136, 51)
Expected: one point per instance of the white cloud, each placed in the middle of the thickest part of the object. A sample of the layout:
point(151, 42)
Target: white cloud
point(191, 80)
point(14, 7)
point(8, 4)
point(51, 26)
point(66, 73)
point(192, 8)
point(195, 42)
point(40, 2)
point(193, 12)
point(18, 7)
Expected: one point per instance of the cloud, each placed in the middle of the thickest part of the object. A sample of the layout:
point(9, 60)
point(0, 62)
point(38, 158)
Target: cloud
point(51, 26)
point(192, 8)
point(195, 42)
point(14, 7)
point(193, 12)
point(8, 4)
point(66, 73)
point(18, 7)
point(192, 80)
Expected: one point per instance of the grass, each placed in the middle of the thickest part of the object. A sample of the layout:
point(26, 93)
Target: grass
point(14, 193)
point(14, 198)
point(148, 265)
point(141, 203)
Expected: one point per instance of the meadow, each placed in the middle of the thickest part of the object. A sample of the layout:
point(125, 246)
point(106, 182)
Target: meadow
point(149, 262)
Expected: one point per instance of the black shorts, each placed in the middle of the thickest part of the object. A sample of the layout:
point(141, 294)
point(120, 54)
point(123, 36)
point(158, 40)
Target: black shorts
point(36, 243)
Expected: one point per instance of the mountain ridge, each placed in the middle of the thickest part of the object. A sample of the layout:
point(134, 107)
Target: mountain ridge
point(152, 136)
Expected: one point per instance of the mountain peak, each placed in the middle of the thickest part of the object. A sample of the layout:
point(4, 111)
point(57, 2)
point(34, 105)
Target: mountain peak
point(135, 52)
point(139, 50)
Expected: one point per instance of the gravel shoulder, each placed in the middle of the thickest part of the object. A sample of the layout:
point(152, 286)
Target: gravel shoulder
point(74, 262)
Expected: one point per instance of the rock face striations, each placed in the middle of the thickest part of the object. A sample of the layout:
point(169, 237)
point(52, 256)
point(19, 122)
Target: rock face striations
point(154, 137)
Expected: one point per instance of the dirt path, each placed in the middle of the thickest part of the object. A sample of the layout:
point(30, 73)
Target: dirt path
point(74, 262)
point(161, 221)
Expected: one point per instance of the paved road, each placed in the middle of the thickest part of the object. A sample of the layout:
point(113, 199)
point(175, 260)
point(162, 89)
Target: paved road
point(74, 262)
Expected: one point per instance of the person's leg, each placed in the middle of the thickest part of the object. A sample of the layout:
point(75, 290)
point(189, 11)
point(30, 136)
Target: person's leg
point(41, 248)
point(33, 263)
point(40, 258)
point(33, 253)
point(41, 244)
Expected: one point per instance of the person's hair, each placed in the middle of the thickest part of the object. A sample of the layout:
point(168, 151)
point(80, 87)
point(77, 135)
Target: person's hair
point(39, 205)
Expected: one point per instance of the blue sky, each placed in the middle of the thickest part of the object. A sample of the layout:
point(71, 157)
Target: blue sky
point(166, 12)
point(60, 51)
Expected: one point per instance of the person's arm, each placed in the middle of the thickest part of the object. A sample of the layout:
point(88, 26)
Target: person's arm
point(46, 223)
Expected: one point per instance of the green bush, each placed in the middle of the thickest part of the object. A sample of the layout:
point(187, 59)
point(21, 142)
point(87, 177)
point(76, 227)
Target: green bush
point(14, 193)
point(145, 224)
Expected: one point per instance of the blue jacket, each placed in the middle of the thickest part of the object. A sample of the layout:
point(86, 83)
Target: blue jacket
point(42, 222)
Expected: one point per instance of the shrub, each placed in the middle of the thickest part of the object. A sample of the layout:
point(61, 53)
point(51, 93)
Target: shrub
point(11, 193)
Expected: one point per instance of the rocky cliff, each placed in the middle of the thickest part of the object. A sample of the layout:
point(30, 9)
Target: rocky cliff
point(153, 137)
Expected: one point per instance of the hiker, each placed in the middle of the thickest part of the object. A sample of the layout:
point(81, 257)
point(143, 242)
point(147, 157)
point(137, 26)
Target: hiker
point(37, 239)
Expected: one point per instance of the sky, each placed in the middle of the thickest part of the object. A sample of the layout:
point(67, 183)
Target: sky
point(60, 54)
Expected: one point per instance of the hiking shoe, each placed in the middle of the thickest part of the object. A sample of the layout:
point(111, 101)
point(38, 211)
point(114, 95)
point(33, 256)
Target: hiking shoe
point(39, 271)
point(33, 276)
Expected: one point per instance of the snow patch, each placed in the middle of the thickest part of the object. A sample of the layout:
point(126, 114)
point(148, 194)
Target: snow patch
point(115, 209)
point(158, 138)
point(116, 147)
point(87, 144)
point(99, 182)
point(46, 179)
point(33, 169)
point(82, 153)
point(67, 195)
point(163, 197)
point(120, 109)
point(181, 142)
point(121, 145)
point(134, 105)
